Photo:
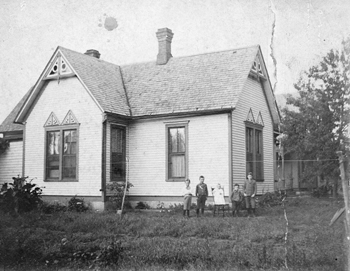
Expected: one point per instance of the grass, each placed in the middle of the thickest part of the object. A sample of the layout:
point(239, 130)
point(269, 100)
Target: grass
point(167, 241)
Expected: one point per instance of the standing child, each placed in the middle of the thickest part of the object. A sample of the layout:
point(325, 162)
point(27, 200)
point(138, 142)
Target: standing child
point(187, 194)
point(249, 189)
point(236, 199)
point(201, 194)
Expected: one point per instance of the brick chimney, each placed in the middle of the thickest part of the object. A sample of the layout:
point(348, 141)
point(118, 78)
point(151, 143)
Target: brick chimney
point(164, 35)
point(93, 53)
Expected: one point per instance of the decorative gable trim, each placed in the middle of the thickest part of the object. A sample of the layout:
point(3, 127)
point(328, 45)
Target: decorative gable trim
point(250, 116)
point(259, 120)
point(69, 119)
point(52, 120)
point(58, 69)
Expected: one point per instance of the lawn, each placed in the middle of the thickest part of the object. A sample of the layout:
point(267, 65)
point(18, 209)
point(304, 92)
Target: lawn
point(167, 241)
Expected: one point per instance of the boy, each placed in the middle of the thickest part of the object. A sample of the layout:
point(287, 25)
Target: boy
point(236, 199)
point(249, 189)
point(201, 194)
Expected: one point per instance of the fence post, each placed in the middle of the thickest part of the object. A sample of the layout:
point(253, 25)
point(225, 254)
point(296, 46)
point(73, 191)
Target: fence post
point(345, 186)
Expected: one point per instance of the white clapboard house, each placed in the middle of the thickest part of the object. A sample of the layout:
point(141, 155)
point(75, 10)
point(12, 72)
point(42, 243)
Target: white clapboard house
point(87, 122)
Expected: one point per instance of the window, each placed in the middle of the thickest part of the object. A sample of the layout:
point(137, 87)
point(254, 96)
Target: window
point(61, 154)
point(177, 152)
point(254, 152)
point(61, 148)
point(118, 154)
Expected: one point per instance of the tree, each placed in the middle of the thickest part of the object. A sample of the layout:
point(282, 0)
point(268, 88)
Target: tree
point(317, 120)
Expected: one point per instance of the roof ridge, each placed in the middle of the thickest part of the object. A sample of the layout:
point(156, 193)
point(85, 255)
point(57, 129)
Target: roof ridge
point(83, 54)
point(207, 53)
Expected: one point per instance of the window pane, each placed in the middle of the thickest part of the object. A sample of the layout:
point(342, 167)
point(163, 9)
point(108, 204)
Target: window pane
point(69, 154)
point(178, 166)
point(117, 169)
point(52, 155)
point(177, 140)
point(249, 140)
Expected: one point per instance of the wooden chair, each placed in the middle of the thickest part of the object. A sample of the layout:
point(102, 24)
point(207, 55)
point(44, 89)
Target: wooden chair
point(219, 200)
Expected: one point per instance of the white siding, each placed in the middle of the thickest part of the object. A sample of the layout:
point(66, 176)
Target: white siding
point(252, 97)
point(11, 162)
point(69, 94)
point(207, 147)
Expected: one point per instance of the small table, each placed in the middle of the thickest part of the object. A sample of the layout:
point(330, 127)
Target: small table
point(221, 207)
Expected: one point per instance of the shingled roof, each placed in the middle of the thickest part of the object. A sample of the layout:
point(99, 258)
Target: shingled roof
point(193, 83)
point(103, 79)
point(211, 81)
point(8, 124)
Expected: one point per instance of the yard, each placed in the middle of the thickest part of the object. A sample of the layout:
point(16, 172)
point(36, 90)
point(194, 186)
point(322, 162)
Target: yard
point(167, 241)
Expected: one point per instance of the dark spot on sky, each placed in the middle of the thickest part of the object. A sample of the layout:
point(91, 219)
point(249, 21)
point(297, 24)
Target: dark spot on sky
point(111, 23)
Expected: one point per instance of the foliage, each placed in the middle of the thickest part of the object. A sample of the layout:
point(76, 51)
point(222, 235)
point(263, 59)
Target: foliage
point(4, 144)
point(77, 205)
point(159, 241)
point(117, 189)
point(272, 199)
point(142, 205)
point(20, 196)
point(51, 208)
point(317, 121)
point(322, 191)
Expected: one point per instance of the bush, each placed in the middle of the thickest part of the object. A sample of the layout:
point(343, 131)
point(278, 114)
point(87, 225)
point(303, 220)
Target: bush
point(51, 208)
point(272, 199)
point(141, 205)
point(77, 205)
point(20, 196)
point(117, 190)
point(322, 191)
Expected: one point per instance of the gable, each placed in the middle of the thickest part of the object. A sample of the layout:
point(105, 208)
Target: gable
point(199, 83)
point(100, 79)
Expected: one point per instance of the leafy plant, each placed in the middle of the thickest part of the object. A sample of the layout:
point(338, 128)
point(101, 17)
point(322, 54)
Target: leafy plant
point(51, 208)
point(322, 191)
point(117, 189)
point(272, 199)
point(142, 205)
point(20, 196)
point(77, 205)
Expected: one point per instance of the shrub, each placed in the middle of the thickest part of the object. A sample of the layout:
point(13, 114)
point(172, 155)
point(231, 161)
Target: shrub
point(20, 196)
point(272, 199)
point(141, 205)
point(117, 190)
point(77, 205)
point(322, 191)
point(51, 208)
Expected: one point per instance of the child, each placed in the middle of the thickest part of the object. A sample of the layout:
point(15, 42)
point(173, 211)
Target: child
point(249, 189)
point(218, 194)
point(187, 194)
point(236, 199)
point(201, 194)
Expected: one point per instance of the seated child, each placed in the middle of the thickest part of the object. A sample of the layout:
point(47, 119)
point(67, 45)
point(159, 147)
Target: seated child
point(218, 194)
point(236, 198)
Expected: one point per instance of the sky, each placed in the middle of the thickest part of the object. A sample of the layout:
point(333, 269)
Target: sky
point(293, 34)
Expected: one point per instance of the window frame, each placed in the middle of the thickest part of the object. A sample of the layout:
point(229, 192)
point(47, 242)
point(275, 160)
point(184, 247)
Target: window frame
point(255, 127)
point(61, 129)
point(116, 126)
point(168, 126)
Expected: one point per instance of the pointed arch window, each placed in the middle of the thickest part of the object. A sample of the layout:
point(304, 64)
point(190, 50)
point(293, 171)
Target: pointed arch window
point(61, 148)
point(254, 146)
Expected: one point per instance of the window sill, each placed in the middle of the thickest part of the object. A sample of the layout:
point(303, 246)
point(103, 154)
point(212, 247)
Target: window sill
point(61, 181)
point(176, 180)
